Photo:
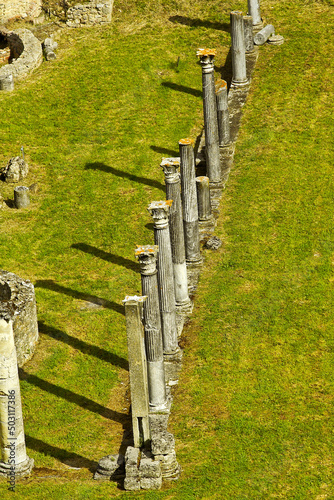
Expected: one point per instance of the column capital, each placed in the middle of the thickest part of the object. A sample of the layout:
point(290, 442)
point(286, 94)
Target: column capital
point(147, 258)
point(207, 59)
point(171, 167)
point(160, 211)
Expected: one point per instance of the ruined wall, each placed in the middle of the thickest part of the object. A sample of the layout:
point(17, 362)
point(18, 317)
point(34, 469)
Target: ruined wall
point(26, 52)
point(88, 14)
point(19, 8)
point(17, 303)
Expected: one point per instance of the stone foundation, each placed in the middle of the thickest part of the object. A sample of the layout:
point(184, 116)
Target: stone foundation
point(19, 296)
point(89, 14)
point(10, 9)
point(25, 53)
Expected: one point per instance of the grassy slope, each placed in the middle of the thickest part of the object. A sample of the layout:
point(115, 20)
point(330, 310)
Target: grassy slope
point(251, 414)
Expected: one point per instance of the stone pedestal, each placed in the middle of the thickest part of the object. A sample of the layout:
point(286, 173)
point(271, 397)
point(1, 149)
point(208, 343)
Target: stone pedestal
point(14, 461)
point(171, 167)
point(138, 370)
point(213, 169)
point(239, 75)
point(262, 36)
point(160, 211)
point(147, 258)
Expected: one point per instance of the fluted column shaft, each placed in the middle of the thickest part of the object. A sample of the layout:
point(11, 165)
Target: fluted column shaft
point(170, 167)
point(213, 168)
point(159, 211)
point(14, 458)
point(189, 201)
point(249, 35)
point(239, 74)
point(137, 370)
point(254, 11)
point(147, 258)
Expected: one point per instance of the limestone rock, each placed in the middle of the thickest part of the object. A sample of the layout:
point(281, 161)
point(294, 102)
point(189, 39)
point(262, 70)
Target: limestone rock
point(15, 170)
point(213, 243)
point(163, 443)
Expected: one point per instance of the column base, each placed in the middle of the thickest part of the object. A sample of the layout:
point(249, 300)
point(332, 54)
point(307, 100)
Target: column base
point(163, 408)
point(21, 470)
point(110, 468)
point(185, 307)
point(236, 84)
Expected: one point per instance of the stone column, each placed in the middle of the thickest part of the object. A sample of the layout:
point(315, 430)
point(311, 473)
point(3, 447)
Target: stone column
point(254, 11)
point(239, 75)
point(171, 167)
point(160, 211)
point(213, 168)
point(249, 36)
point(14, 459)
point(138, 370)
point(223, 113)
point(262, 36)
point(189, 202)
point(147, 258)
point(21, 197)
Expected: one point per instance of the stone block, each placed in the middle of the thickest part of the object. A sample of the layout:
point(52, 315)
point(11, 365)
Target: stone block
point(132, 456)
point(132, 484)
point(149, 468)
point(162, 443)
point(151, 483)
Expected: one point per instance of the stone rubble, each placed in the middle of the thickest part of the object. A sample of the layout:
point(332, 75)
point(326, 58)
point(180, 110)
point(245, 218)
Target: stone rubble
point(15, 170)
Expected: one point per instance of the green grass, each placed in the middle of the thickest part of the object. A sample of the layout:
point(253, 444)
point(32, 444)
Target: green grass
point(252, 413)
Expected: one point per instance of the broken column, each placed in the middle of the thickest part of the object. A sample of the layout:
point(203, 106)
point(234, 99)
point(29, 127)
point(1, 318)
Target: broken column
point(223, 113)
point(213, 168)
point(171, 167)
point(239, 74)
point(14, 461)
point(137, 370)
point(160, 211)
point(147, 258)
point(254, 11)
point(262, 36)
point(205, 217)
point(21, 197)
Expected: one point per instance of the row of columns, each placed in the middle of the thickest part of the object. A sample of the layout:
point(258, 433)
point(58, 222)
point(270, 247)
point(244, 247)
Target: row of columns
point(176, 221)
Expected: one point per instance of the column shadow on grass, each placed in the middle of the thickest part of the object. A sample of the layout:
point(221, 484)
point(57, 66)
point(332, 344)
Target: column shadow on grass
point(51, 285)
point(188, 21)
point(109, 257)
point(66, 457)
point(72, 397)
point(84, 347)
point(125, 175)
point(182, 88)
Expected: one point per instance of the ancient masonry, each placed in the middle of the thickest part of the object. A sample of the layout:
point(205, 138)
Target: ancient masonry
point(169, 270)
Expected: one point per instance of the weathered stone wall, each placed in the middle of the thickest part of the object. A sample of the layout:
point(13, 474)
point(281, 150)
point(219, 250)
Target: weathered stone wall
point(18, 303)
point(19, 8)
point(89, 14)
point(25, 52)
